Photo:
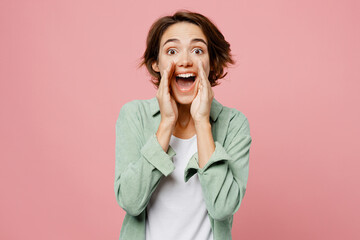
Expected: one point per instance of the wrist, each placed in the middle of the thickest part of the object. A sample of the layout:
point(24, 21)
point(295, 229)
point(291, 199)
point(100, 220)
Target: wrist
point(167, 123)
point(163, 134)
point(202, 124)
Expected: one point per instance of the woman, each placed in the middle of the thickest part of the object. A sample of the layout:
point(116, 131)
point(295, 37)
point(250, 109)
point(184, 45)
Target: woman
point(181, 158)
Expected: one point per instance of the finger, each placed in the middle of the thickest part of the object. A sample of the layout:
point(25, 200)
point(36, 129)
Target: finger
point(165, 78)
point(199, 73)
point(171, 72)
point(170, 76)
point(204, 78)
point(198, 93)
point(200, 68)
point(198, 80)
point(207, 84)
point(166, 74)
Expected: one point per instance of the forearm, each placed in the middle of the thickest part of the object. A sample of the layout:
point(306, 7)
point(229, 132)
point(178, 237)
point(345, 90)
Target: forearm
point(205, 142)
point(163, 134)
point(138, 171)
point(134, 186)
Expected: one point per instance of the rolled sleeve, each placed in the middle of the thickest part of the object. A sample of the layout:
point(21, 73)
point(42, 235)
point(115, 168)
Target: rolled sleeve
point(219, 154)
point(224, 176)
point(139, 164)
point(153, 153)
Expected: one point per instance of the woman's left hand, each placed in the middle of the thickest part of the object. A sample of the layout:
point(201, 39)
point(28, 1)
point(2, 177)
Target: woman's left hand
point(201, 105)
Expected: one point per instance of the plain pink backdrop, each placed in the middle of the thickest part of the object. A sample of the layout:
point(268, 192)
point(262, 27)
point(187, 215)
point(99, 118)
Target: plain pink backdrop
point(67, 67)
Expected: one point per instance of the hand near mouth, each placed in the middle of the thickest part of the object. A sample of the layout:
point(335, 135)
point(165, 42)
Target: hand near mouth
point(200, 106)
point(167, 104)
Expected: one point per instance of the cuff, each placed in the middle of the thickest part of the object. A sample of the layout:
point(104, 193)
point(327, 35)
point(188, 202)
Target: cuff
point(219, 154)
point(154, 154)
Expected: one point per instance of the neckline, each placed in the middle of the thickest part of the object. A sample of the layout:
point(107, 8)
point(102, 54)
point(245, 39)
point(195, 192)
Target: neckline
point(184, 139)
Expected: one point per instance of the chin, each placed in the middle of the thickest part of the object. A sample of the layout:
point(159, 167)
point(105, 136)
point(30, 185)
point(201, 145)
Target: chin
point(184, 100)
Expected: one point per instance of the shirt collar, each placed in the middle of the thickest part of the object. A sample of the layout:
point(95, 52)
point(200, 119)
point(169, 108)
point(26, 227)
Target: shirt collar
point(215, 110)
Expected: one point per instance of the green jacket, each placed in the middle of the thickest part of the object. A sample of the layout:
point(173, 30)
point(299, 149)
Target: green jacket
point(141, 163)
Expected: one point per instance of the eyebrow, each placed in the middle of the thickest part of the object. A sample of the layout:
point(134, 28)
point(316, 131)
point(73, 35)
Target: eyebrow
point(192, 40)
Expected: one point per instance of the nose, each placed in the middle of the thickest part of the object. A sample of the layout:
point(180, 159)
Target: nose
point(185, 60)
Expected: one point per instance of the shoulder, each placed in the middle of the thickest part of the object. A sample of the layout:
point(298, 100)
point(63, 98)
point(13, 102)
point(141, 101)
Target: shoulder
point(138, 105)
point(236, 120)
point(136, 108)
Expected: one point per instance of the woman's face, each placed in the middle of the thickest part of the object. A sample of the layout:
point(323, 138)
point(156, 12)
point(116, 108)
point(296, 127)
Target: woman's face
point(185, 44)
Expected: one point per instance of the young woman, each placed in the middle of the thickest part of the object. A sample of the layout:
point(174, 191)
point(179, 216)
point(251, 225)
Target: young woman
point(182, 158)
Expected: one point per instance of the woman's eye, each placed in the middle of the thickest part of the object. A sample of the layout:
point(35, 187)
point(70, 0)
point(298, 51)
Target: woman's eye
point(171, 51)
point(198, 51)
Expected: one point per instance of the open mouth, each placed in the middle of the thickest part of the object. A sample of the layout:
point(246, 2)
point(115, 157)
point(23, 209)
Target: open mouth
point(185, 81)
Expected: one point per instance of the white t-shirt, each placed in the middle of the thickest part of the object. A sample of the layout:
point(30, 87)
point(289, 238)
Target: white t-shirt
point(177, 210)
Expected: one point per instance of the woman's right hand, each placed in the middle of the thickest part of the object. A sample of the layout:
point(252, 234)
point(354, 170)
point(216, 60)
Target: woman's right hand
point(168, 107)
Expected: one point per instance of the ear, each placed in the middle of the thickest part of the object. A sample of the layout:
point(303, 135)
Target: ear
point(155, 66)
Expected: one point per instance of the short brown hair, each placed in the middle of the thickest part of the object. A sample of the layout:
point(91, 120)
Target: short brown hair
point(218, 47)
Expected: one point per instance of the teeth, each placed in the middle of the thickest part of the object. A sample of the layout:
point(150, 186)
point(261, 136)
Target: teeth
point(186, 75)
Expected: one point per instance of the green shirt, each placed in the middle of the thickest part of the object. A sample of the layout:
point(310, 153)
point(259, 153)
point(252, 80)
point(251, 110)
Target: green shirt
point(141, 163)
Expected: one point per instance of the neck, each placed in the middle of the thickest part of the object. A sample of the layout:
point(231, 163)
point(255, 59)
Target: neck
point(185, 127)
point(184, 117)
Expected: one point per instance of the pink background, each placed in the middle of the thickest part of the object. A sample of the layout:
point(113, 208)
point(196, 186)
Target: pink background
point(67, 67)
